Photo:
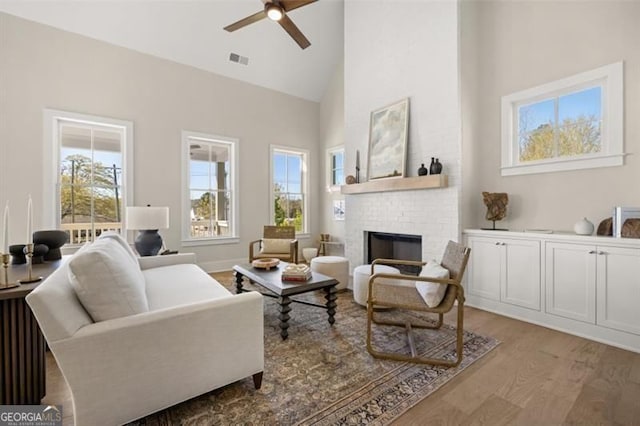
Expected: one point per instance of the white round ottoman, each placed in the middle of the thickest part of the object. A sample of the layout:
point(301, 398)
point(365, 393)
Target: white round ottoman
point(361, 277)
point(333, 266)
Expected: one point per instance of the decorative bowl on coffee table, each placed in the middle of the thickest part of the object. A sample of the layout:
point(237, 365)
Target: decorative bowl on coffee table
point(267, 263)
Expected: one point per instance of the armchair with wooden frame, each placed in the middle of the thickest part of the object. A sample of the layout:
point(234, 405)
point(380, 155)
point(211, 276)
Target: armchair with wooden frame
point(277, 242)
point(384, 293)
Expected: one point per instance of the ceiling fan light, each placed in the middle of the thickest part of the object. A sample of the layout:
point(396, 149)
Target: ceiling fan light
point(274, 11)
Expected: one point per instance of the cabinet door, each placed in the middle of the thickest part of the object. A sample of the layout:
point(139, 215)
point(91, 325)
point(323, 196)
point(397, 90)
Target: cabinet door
point(484, 268)
point(618, 286)
point(571, 281)
point(521, 273)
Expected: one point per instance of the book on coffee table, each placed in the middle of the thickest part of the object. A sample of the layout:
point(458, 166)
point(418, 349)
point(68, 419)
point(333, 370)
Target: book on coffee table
point(295, 272)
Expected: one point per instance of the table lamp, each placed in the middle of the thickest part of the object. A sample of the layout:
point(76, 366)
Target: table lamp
point(148, 220)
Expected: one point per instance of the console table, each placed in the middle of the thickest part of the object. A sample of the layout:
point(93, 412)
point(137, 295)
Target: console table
point(22, 346)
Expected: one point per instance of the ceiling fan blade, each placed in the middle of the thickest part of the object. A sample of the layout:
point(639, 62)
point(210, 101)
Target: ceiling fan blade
point(246, 21)
point(294, 32)
point(289, 5)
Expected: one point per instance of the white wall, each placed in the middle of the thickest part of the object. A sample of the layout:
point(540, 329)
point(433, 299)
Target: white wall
point(395, 50)
point(331, 136)
point(511, 46)
point(42, 67)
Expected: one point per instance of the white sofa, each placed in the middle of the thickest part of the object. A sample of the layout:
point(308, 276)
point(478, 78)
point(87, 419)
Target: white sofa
point(195, 337)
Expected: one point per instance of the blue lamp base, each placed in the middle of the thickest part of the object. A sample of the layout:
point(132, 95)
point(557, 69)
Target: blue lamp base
point(148, 242)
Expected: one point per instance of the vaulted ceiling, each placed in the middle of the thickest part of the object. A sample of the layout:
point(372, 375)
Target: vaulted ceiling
point(191, 32)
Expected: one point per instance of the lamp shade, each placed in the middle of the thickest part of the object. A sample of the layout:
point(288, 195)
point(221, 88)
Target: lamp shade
point(147, 218)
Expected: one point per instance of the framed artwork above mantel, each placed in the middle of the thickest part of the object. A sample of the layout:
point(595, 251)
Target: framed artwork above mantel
point(388, 130)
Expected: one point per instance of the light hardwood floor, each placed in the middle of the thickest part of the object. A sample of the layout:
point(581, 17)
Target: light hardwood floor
point(536, 376)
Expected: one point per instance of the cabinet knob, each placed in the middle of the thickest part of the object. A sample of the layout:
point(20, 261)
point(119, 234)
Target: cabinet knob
point(592, 252)
point(498, 243)
point(602, 252)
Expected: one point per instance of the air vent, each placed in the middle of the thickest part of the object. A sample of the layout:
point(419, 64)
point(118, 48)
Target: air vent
point(234, 57)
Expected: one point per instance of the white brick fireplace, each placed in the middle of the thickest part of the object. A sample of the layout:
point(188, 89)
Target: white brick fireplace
point(431, 213)
point(385, 62)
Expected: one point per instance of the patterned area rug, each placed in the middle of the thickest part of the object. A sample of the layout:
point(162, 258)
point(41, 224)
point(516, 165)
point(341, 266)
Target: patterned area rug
point(323, 375)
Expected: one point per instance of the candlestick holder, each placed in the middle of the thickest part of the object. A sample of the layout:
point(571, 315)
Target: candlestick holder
point(357, 174)
point(30, 278)
point(5, 284)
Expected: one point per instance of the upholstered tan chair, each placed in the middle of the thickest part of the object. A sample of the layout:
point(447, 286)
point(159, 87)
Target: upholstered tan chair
point(277, 242)
point(406, 297)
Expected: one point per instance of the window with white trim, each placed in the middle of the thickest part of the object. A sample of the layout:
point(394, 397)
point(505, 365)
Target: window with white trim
point(289, 188)
point(335, 169)
point(569, 124)
point(210, 199)
point(89, 173)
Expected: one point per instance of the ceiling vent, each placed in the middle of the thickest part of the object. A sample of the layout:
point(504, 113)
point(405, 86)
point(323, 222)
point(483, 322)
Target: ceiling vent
point(234, 57)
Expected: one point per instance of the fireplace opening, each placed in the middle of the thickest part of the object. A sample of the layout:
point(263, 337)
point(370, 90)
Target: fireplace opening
point(383, 245)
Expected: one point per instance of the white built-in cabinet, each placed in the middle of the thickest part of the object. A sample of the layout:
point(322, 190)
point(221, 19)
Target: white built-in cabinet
point(585, 285)
point(571, 281)
point(618, 288)
point(505, 269)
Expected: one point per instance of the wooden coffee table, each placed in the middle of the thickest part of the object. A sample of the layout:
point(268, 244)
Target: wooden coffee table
point(272, 280)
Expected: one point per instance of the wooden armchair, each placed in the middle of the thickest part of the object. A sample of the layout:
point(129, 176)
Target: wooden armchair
point(383, 293)
point(278, 242)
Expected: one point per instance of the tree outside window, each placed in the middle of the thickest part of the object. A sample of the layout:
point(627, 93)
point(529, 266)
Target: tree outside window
point(564, 126)
point(210, 188)
point(90, 180)
point(569, 124)
point(289, 197)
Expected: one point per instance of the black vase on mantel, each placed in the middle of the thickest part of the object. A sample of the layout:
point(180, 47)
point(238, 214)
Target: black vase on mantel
point(423, 171)
point(432, 166)
point(438, 167)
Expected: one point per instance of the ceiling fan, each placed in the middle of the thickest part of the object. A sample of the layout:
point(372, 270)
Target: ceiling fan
point(276, 10)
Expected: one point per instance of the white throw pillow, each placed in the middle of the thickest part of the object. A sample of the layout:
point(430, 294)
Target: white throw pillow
point(276, 245)
point(107, 281)
point(432, 293)
point(117, 237)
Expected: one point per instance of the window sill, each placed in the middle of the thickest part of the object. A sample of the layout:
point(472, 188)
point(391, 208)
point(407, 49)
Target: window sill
point(210, 241)
point(564, 165)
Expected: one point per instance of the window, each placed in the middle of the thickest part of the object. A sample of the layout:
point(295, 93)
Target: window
point(335, 168)
point(210, 205)
point(89, 173)
point(570, 124)
point(289, 188)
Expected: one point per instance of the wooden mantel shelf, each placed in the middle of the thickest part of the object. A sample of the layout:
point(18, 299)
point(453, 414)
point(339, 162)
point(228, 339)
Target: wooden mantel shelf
point(397, 184)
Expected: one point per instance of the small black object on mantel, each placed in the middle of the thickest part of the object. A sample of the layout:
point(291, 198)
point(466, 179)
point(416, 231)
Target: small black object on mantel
point(423, 171)
point(435, 168)
point(438, 167)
